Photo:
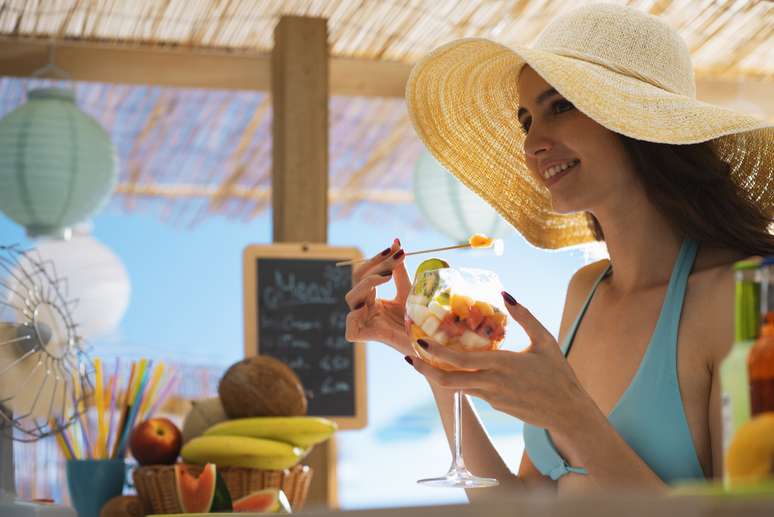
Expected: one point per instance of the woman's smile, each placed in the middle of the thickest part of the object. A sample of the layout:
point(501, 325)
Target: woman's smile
point(555, 172)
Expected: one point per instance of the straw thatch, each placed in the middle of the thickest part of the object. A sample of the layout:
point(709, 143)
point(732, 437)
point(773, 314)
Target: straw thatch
point(205, 151)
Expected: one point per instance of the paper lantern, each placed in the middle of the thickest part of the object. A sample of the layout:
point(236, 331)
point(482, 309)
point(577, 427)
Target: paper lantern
point(96, 278)
point(57, 164)
point(449, 206)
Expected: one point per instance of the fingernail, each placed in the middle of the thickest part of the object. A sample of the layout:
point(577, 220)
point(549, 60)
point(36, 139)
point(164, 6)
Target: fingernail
point(398, 255)
point(508, 298)
point(386, 273)
point(409, 360)
point(397, 242)
point(359, 306)
point(423, 343)
point(386, 252)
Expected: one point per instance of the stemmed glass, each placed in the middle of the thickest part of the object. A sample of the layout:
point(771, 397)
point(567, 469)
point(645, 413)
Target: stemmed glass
point(462, 309)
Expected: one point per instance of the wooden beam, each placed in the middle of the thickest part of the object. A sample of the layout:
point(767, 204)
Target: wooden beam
point(190, 191)
point(189, 68)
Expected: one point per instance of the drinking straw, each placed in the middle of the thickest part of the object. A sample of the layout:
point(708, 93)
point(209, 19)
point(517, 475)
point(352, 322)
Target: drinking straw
point(100, 402)
point(61, 440)
point(77, 396)
point(124, 413)
point(171, 383)
point(113, 390)
point(150, 392)
point(135, 407)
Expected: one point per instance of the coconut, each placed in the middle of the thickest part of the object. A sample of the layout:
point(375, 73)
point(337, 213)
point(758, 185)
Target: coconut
point(261, 386)
point(204, 414)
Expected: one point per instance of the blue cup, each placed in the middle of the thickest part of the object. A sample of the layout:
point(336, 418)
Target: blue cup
point(93, 483)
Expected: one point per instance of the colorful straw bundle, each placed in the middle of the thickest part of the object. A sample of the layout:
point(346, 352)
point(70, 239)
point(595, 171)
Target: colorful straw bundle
point(117, 408)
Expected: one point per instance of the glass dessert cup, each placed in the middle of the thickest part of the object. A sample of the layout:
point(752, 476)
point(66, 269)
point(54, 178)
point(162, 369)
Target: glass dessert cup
point(461, 309)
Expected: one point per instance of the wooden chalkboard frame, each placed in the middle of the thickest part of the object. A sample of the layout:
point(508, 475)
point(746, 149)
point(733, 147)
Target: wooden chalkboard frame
point(309, 251)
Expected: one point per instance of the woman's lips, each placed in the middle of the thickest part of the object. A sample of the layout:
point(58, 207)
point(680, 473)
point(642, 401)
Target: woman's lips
point(556, 177)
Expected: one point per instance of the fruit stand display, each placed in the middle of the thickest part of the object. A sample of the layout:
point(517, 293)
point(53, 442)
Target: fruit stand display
point(242, 451)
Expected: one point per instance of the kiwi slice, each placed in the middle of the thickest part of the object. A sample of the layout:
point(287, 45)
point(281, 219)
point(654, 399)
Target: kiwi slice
point(444, 297)
point(425, 283)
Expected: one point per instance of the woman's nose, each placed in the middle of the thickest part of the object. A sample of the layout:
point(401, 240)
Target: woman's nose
point(536, 142)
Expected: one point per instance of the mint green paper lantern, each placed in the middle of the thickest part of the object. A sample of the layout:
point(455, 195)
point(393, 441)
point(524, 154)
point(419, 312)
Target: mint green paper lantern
point(451, 207)
point(57, 164)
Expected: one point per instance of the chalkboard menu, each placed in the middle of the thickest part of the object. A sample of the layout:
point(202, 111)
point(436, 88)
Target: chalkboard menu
point(298, 315)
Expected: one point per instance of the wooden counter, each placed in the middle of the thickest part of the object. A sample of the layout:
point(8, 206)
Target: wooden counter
point(599, 505)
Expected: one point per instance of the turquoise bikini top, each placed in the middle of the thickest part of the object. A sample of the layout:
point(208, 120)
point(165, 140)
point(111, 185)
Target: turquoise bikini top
point(649, 415)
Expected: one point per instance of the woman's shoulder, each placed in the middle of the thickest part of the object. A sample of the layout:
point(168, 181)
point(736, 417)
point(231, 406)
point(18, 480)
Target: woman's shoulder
point(584, 278)
point(578, 289)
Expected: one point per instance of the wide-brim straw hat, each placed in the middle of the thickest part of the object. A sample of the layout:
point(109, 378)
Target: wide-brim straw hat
point(625, 69)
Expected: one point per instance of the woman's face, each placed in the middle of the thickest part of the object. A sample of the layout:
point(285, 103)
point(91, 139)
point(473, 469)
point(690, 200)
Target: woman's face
point(583, 164)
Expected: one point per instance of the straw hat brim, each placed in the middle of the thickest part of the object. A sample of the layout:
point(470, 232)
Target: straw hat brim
point(462, 99)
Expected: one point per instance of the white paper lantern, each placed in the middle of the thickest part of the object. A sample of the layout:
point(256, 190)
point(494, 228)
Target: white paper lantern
point(449, 206)
point(96, 277)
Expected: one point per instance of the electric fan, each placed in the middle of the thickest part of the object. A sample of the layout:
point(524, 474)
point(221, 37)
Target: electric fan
point(43, 367)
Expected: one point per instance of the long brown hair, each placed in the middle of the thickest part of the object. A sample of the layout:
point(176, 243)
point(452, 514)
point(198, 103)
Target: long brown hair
point(692, 186)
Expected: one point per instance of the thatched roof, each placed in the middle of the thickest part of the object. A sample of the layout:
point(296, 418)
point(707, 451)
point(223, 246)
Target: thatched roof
point(204, 151)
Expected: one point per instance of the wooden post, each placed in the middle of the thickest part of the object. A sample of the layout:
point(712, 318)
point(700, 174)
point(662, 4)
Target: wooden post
point(299, 82)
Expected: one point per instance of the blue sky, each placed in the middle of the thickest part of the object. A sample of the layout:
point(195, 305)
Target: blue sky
point(186, 306)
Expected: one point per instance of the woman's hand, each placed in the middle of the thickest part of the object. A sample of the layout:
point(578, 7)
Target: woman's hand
point(374, 319)
point(536, 385)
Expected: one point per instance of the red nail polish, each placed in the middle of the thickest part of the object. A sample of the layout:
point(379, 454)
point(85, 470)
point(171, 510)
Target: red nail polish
point(386, 273)
point(423, 343)
point(508, 298)
point(386, 252)
point(398, 255)
point(409, 360)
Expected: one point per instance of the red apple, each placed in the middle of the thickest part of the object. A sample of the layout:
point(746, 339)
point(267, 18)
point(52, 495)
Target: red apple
point(156, 441)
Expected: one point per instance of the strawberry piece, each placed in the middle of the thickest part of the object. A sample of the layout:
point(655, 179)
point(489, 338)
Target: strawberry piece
point(452, 325)
point(475, 318)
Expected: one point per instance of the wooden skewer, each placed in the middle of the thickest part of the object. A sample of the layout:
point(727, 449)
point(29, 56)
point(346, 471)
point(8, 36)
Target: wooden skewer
point(446, 248)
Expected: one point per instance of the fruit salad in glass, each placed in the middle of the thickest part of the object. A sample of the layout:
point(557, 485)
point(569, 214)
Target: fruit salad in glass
point(458, 308)
point(461, 309)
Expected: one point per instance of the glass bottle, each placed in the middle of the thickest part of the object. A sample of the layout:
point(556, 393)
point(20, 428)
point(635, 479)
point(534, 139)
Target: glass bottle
point(760, 361)
point(735, 385)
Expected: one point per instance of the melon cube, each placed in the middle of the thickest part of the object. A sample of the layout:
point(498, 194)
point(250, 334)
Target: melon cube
point(418, 299)
point(417, 313)
point(472, 341)
point(438, 310)
point(431, 324)
point(441, 337)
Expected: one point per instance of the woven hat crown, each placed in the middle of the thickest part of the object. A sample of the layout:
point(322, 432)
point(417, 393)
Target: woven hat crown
point(624, 40)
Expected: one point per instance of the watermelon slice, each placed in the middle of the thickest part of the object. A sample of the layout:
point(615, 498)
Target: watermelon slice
point(268, 500)
point(195, 494)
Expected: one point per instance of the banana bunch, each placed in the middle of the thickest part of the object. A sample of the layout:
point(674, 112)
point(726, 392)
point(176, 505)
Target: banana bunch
point(268, 443)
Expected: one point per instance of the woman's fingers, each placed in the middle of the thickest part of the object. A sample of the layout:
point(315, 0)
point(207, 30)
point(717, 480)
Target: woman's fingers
point(370, 265)
point(535, 330)
point(468, 360)
point(364, 292)
point(402, 282)
point(452, 379)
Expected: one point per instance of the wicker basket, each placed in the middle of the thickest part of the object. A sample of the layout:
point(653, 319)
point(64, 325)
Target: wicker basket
point(156, 484)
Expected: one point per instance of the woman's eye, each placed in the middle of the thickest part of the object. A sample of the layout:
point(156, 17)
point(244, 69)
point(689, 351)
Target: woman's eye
point(524, 125)
point(562, 106)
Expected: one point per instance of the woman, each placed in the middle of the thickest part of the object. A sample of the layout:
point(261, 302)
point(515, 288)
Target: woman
point(594, 133)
